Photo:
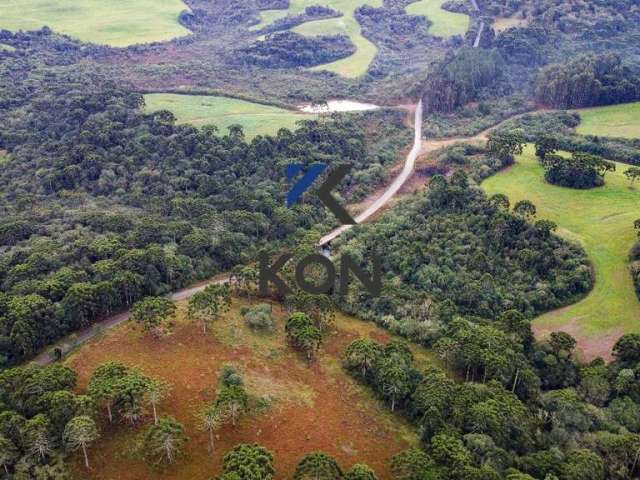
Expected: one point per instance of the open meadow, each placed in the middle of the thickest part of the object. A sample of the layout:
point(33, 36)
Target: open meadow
point(350, 67)
point(295, 407)
point(445, 23)
point(117, 22)
point(601, 219)
point(612, 121)
point(199, 110)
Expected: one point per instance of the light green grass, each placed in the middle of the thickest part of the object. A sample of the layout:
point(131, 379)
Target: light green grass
point(445, 23)
point(113, 22)
point(6, 48)
point(350, 67)
point(601, 219)
point(199, 110)
point(611, 121)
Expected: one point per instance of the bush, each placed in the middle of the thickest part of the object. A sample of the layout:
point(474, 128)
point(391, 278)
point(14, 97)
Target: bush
point(259, 317)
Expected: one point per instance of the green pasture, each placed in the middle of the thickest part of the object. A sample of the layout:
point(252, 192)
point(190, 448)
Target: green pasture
point(611, 121)
point(113, 22)
point(445, 23)
point(350, 67)
point(199, 110)
point(601, 219)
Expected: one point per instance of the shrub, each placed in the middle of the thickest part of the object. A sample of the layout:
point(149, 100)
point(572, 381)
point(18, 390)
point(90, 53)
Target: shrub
point(259, 317)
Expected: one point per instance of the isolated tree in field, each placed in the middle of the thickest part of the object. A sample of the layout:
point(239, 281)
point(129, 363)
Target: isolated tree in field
point(525, 209)
point(130, 394)
point(411, 464)
point(303, 335)
point(500, 201)
point(232, 401)
point(210, 419)
point(103, 383)
point(546, 144)
point(152, 312)
point(164, 442)
point(79, 433)
point(208, 305)
point(505, 144)
point(360, 472)
point(248, 462)
point(361, 356)
point(318, 466)
point(9, 454)
point(562, 342)
point(157, 391)
point(633, 174)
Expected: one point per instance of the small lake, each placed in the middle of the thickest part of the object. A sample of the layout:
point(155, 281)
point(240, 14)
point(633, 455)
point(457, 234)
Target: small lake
point(338, 106)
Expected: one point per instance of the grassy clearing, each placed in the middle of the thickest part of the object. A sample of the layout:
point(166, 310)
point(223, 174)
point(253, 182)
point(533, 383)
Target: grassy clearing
point(611, 121)
point(445, 23)
point(115, 22)
point(312, 407)
point(601, 219)
point(199, 110)
point(350, 67)
point(6, 48)
point(505, 23)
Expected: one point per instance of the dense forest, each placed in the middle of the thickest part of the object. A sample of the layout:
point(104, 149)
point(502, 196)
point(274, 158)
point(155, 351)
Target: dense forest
point(587, 81)
point(103, 205)
point(455, 250)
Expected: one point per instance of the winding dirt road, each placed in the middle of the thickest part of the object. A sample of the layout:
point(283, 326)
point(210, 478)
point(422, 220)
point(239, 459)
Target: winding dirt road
point(396, 185)
point(97, 328)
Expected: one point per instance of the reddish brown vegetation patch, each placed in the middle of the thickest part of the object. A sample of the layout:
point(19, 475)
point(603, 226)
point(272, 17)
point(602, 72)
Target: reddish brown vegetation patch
point(317, 407)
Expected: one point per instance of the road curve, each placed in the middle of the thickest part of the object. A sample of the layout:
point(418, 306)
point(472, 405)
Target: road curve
point(397, 184)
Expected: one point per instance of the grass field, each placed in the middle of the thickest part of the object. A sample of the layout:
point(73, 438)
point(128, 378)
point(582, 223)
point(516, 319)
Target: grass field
point(445, 23)
point(115, 22)
point(601, 219)
point(6, 48)
point(350, 67)
point(312, 407)
point(611, 121)
point(505, 23)
point(199, 110)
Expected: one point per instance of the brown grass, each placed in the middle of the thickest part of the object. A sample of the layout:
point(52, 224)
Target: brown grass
point(314, 407)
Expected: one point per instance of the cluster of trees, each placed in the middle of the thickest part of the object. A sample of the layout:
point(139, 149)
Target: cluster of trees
point(103, 206)
point(582, 170)
point(292, 50)
point(587, 81)
point(463, 79)
point(42, 419)
point(231, 402)
point(303, 334)
point(455, 250)
point(525, 410)
point(310, 14)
